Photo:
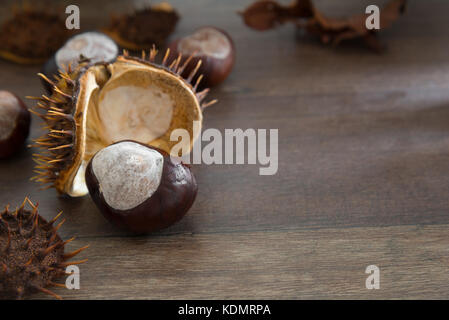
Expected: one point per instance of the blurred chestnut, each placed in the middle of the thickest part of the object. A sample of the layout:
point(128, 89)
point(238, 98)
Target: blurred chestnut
point(138, 187)
point(15, 122)
point(214, 47)
point(95, 46)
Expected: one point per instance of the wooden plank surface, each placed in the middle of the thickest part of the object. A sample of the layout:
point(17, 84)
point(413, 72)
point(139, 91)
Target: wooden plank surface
point(363, 162)
point(289, 264)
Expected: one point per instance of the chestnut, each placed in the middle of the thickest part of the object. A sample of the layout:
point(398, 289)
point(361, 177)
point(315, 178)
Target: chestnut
point(138, 187)
point(95, 46)
point(15, 122)
point(211, 45)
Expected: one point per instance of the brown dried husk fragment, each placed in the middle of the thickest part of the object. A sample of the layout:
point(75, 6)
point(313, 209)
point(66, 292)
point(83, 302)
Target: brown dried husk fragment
point(32, 35)
point(143, 28)
point(31, 252)
point(267, 14)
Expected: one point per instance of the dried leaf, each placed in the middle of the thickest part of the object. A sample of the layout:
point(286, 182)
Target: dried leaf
point(267, 14)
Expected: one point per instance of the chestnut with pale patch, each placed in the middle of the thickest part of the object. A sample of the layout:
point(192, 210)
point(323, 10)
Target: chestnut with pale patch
point(208, 41)
point(14, 124)
point(127, 173)
point(214, 47)
point(139, 188)
point(9, 113)
point(95, 46)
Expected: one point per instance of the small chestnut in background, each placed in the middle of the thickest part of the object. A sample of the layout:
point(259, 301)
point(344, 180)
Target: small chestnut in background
point(138, 187)
point(92, 45)
point(211, 45)
point(15, 122)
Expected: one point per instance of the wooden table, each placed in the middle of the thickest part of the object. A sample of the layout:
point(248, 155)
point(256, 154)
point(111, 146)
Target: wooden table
point(363, 172)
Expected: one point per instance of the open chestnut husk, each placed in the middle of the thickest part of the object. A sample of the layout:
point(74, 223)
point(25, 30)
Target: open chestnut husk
point(214, 47)
point(96, 105)
point(139, 188)
point(15, 122)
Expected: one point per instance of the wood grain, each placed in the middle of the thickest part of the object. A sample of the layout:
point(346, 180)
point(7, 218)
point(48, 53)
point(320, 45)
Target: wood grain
point(363, 162)
point(284, 264)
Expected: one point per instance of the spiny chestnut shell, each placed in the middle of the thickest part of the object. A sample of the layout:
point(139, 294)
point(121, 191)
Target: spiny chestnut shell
point(214, 70)
point(14, 142)
point(75, 129)
point(31, 253)
point(144, 27)
point(167, 205)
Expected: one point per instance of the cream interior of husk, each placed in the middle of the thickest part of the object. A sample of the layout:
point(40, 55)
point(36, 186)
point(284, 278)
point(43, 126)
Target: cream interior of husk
point(129, 101)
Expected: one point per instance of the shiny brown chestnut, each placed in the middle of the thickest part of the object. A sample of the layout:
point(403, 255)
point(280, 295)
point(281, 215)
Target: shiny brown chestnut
point(211, 45)
point(15, 122)
point(139, 188)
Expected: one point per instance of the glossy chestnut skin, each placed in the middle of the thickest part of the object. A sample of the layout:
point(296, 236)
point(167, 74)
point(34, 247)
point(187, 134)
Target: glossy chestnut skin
point(167, 205)
point(14, 142)
point(215, 70)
